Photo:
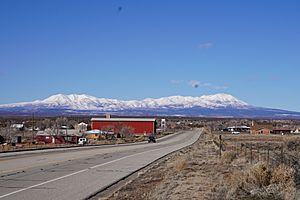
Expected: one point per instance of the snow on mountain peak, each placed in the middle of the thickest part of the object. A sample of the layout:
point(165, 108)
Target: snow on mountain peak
point(61, 98)
point(86, 102)
point(224, 99)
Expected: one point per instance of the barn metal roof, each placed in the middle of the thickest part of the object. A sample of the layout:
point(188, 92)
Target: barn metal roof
point(96, 131)
point(124, 119)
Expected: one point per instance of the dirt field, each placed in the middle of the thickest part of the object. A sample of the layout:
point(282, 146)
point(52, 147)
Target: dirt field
point(251, 167)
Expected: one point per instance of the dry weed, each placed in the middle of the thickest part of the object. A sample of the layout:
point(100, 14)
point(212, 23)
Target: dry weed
point(228, 157)
point(262, 182)
point(284, 177)
point(180, 164)
point(292, 143)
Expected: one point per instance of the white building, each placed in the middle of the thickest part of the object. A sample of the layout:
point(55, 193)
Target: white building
point(163, 124)
point(82, 127)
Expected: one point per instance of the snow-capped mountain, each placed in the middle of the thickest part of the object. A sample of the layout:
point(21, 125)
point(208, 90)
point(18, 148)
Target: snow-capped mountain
point(85, 102)
point(208, 105)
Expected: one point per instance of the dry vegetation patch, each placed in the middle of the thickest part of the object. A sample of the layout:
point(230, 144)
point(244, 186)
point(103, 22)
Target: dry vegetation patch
point(197, 172)
point(228, 157)
point(180, 164)
point(260, 181)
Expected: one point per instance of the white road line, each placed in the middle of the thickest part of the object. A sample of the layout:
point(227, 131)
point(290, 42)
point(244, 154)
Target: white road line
point(43, 183)
point(78, 172)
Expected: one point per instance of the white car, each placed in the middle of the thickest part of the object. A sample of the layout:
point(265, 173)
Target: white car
point(82, 141)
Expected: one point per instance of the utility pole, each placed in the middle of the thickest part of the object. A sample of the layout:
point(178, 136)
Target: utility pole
point(268, 154)
point(33, 127)
point(33, 122)
point(251, 158)
point(56, 128)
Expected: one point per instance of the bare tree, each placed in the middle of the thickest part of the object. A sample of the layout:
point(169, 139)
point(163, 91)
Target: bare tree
point(61, 121)
point(108, 128)
point(7, 132)
point(48, 123)
point(126, 132)
point(72, 124)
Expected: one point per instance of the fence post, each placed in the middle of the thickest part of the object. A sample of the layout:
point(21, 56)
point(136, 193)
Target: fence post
point(241, 148)
point(268, 154)
point(257, 146)
point(251, 154)
point(220, 145)
point(246, 160)
point(282, 156)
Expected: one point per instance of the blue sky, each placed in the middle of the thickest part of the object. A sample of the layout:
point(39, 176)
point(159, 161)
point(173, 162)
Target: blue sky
point(129, 49)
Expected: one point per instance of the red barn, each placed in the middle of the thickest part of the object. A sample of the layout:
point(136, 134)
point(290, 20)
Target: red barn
point(138, 125)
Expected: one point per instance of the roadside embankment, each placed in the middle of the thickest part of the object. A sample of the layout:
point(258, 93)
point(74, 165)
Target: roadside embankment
point(250, 167)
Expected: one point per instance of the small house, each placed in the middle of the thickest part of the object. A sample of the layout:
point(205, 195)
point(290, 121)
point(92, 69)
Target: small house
point(262, 128)
point(281, 131)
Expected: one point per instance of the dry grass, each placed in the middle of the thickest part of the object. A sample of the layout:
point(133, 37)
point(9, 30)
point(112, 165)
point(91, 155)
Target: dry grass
point(292, 143)
point(198, 173)
point(262, 182)
point(180, 164)
point(228, 157)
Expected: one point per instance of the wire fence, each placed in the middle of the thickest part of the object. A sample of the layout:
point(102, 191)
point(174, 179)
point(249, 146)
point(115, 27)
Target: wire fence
point(272, 153)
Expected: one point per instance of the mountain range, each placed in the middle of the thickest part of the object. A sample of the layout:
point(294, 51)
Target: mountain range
point(218, 105)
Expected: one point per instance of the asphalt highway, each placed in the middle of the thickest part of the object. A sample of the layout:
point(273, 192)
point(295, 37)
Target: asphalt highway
point(77, 173)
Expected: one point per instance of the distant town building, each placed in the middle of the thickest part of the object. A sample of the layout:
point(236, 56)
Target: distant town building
point(62, 137)
point(262, 128)
point(56, 139)
point(264, 131)
point(96, 134)
point(296, 131)
point(58, 136)
point(47, 131)
point(163, 124)
point(237, 129)
point(281, 131)
point(18, 126)
point(82, 127)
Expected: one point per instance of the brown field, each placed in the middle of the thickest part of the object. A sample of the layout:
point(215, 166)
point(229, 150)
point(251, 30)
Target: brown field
point(250, 167)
